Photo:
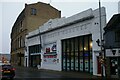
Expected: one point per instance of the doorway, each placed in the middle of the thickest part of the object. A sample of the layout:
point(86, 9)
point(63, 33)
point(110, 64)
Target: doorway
point(35, 60)
point(98, 66)
point(113, 66)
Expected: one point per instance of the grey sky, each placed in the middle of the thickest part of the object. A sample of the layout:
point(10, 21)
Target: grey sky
point(9, 11)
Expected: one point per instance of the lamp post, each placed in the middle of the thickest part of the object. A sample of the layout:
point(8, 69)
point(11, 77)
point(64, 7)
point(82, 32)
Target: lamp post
point(101, 45)
point(100, 41)
point(102, 56)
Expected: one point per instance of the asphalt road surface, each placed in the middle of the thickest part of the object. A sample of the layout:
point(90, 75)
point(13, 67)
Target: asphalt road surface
point(35, 74)
point(23, 73)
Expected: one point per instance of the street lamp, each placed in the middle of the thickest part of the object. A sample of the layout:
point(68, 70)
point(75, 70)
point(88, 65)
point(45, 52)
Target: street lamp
point(101, 44)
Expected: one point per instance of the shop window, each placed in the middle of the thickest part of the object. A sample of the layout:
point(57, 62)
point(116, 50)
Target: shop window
point(113, 66)
point(35, 49)
point(77, 54)
point(72, 45)
point(63, 46)
point(117, 36)
point(90, 42)
point(81, 43)
point(81, 63)
point(86, 43)
point(76, 44)
point(67, 46)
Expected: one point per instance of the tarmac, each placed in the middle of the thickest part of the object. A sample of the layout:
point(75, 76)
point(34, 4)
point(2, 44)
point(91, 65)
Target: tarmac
point(69, 74)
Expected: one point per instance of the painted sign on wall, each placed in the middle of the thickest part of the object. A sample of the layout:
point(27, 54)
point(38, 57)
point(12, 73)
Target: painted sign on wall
point(50, 55)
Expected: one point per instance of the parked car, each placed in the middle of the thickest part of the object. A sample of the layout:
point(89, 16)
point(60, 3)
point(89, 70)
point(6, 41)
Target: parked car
point(8, 72)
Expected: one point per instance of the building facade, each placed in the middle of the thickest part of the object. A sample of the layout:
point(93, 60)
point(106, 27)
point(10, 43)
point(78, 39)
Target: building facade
point(68, 44)
point(32, 16)
point(112, 45)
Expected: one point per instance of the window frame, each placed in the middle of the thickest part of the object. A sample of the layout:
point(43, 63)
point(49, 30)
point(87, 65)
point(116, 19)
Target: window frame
point(33, 11)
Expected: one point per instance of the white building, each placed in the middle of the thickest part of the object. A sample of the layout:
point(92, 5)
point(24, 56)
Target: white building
point(67, 44)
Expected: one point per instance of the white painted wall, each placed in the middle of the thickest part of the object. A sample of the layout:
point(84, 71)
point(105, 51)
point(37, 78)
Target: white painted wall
point(34, 41)
point(82, 28)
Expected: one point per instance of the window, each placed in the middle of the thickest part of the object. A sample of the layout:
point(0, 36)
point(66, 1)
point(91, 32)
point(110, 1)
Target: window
point(35, 49)
point(77, 54)
point(33, 11)
point(117, 36)
point(21, 24)
point(18, 42)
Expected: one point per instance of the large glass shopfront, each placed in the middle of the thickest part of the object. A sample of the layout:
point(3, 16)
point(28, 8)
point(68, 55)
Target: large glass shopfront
point(77, 54)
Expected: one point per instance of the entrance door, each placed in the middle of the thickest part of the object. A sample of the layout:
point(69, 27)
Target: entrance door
point(35, 60)
point(113, 66)
point(99, 66)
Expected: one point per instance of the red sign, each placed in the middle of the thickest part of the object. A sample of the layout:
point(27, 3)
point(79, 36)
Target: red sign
point(47, 50)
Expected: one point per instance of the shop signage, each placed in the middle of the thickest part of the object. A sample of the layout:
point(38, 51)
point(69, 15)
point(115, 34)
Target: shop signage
point(47, 50)
point(53, 47)
point(50, 56)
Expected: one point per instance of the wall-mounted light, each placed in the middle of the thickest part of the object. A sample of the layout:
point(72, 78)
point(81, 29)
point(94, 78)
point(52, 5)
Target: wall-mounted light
point(90, 44)
point(85, 48)
point(98, 42)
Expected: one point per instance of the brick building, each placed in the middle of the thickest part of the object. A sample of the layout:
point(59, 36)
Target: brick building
point(32, 16)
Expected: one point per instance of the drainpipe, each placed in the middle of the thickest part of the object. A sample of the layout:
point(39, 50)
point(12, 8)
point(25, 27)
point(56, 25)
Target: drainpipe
point(40, 46)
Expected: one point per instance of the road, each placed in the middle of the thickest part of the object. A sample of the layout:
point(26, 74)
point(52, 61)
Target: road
point(35, 74)
point(23, 73)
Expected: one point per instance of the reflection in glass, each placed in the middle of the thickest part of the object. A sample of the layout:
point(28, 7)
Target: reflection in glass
point(76, 44)
point(76, 63)
point(78, 54)
point(72, 63)
point(86, 43)
point(81, 64)
point(81, 44)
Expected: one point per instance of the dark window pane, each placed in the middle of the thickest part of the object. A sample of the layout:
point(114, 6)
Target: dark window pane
point(81, 44)
point(117, 36)
point(76, 44)
point(86, 43)
point(33, 11)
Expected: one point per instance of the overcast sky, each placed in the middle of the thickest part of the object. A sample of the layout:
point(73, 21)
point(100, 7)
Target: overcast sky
point(10, 9)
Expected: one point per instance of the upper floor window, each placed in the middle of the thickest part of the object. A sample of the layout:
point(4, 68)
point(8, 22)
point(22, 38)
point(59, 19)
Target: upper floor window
point(117, 36)
point(21, 24)
point(33, 11)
